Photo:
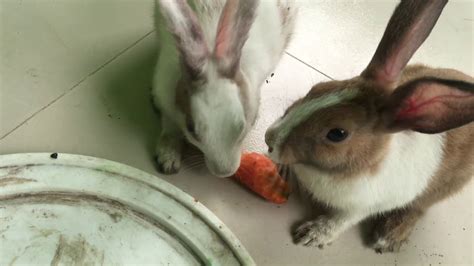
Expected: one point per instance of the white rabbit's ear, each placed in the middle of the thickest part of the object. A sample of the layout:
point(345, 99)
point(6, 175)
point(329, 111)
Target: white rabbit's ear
point(409, 26)
point(190, 40)
point(232, 33)
point(430, 105)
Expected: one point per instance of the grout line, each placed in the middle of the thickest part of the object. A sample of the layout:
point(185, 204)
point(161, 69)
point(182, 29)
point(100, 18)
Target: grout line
point(308, 65)
point(77, 84)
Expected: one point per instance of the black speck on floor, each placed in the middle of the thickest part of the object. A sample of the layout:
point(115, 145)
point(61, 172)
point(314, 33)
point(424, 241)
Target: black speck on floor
point(54, 155)
point(273, 74)
point(464, 228)
point(266, 81)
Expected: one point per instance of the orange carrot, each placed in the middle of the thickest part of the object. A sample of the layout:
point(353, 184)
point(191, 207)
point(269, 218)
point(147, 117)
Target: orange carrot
point(258, 173)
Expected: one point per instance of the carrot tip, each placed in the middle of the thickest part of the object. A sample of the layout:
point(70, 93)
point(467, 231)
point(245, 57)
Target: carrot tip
point(258, 173)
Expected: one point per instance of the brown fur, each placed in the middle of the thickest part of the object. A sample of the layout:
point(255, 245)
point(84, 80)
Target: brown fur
point(368, 118)
point(364, 149)
point(457, 168)
point(363, 152)
point(360, 153)
point(409, 26)
point(455, 172)
point(395, 227)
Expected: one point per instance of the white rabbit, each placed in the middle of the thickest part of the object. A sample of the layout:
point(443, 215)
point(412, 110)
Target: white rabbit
point(213, 57)
point(390, 142)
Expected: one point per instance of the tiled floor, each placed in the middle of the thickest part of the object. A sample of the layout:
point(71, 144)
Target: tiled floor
point(75, 78)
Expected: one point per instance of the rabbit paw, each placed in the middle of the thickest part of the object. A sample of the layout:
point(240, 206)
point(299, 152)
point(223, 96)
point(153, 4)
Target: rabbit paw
point(386, 244)
point(168, 163)
point(393, 230)
point(168, 158)
point(319, 232)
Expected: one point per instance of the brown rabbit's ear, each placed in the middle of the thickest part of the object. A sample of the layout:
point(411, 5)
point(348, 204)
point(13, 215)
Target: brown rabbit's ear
point(184, 26)
point(430, 105)
point(409, 26)
point(232, 33)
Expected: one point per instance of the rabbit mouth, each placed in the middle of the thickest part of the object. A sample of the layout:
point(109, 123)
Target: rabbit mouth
point(222, 173)
point(282, 156)
point(222, 170)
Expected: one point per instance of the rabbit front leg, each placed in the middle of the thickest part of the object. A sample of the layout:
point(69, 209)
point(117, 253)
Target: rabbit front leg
point(169, 147)
point(394, 228)
point(325, 229)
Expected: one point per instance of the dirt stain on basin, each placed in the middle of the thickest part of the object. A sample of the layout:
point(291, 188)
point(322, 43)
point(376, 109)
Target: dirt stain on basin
point(76, 251)
point(11, 180)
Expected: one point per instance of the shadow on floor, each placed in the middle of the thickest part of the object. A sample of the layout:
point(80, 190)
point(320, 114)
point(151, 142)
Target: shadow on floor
point(128, 93)
point(127, 96)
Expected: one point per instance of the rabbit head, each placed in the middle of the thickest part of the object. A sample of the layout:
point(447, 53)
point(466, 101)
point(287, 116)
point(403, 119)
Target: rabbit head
point(345, 126)
point(213, 91)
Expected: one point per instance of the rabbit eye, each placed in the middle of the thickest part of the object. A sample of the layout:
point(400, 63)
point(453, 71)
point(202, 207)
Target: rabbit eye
point(337, 135)
point(191, 128)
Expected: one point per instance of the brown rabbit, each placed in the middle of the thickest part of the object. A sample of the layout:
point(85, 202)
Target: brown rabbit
point(388, 142)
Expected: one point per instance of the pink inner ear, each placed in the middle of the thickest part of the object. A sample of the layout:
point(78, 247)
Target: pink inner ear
point(224, 28)
point(222, 44)
point(428, 98)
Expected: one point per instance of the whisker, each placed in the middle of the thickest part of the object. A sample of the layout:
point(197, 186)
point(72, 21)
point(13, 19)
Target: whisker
point(279, 167)
point(285, 172)
point(189, 165)
point(193, 165)
point(193, 158)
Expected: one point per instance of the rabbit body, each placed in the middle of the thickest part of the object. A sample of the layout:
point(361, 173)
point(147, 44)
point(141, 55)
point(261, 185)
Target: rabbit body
point(389, 143)
point(411, 162)
point(222, 109)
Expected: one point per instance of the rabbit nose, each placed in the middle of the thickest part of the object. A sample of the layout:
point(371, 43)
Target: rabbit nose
point(269, 138)
point(269, 142)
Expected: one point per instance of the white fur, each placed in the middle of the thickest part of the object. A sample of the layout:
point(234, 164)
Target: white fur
point(325, 229)
point(221, 107)
point(405, 172)
point(222, 116)
point(412, 160)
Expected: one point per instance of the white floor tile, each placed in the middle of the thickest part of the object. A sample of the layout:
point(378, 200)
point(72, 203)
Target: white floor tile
point(47, 47)
point(340, 37)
